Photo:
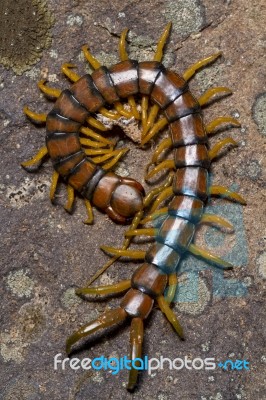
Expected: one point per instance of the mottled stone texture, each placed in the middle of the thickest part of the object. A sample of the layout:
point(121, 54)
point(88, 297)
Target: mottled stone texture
point(45, 252)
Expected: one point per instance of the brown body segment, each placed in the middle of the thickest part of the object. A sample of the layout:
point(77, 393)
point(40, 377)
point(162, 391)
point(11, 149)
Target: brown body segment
point(148, 72)
point(57, 123)
point(125, 78)
point(182, 106)
point(68, 106)
point(150, 280)
point(81, 174)
point(167, 87)
point(87, 94)
point(191, 181)
point(188, 130)
point(62, 145)
point(187, 207)
point(102, 80)
point(192, 155)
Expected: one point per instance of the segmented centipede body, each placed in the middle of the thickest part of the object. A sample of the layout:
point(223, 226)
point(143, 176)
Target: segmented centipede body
point(122, 198)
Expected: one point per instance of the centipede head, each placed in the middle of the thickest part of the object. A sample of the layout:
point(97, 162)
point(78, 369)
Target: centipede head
point(120, 198)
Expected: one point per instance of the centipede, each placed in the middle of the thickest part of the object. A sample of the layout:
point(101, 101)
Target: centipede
point(84, 158)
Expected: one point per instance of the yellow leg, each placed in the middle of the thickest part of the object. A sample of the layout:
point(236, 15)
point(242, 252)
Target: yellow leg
point(166, 164)
point(52, 93)
point(109, 114)
point(162, 196)
point(170, 316)
point(159, 51)
point(141, 232)
point(35, 117)
point(97, 152)
point(111, 163)
point(89, 57)
point(144, 111)
point(210, 258)
point(105, 157)
point(211, 126)
point(109, 318)
point(154, 130)
point(136, 340)
point(91, 143)
point(150, 121)
point(104, 290)
point(216, 220)
point(212, 92)
point(202, 63)
point(37, 159)
point(70, 198)
point(96, 124)
point(135, 254)
point(222, 191)
point(88, 206)
point(164, 145)
point(218, 146)
point(54, 183)
point(66, 69)
point(155, 215)
point(90, 133)
point(171, 290)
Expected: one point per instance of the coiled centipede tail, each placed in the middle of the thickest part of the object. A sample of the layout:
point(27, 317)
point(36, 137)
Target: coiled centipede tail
point(188, 182)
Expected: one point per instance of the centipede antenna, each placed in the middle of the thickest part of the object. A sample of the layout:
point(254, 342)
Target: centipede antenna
point(117, 288)
point(70, 199)
point(218, 146)
point(205, 97)
point(224, 192)
point(35, 117)
point(67, 70)
point(211, 126)
point(190, 72)
point(36, 160)
point(107, 319)
point(51, 93)
point(209, 257)
point(135, 254)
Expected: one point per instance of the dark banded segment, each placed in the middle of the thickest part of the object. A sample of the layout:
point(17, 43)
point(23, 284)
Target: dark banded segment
point(192, 155)
point(81, 174)
point(61, 145)
point(148, 72)
point(182, 106)
point(163, 256)
point(168, 86)
point(192, 181)
point(67, 164)
point(186, 207)
point(87, 94)
point(176, 233)
point(188, 130)
point(150, 280)
point(105, 85)
point(137, 304)
point(68, 106)
point(58, 123)
point(88, 190)
point(125, 78)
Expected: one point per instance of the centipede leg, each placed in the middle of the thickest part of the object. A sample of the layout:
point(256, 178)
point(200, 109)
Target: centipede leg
point(210, 258)
point(67, 70)
point(70, 199)
point(107, 319)
point(88, 206)
point(166, 164)
point(36, 160)
point(54, 184)
point(90, 133)
point(170, 316)
point(222, 191)
point(218, 146)
point(123, 57)
point(136, 340)
point(105, 290)
point(215, 220)
point(172, 286)
point(205, 97)
point(135, 254)
point(200, 64)
point(164, 145)
point(51, 93)
point(154, 130)
point(37, 118)
point(211, 126)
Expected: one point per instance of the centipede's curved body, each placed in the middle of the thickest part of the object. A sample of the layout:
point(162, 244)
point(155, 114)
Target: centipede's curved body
point(123, 198)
